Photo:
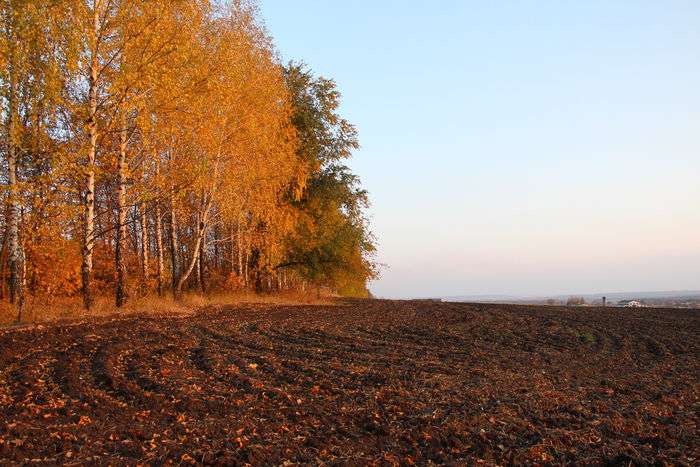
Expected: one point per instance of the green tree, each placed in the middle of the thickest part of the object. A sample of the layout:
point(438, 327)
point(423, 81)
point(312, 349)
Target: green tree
point(332, 244)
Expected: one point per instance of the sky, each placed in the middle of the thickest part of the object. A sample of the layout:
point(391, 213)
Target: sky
point(517, 147)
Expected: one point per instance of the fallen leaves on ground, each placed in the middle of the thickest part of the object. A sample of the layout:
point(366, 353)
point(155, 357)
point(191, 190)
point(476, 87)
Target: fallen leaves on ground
point(377, 382)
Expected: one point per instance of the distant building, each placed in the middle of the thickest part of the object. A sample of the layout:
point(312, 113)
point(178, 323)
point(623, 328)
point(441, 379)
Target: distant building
point(630, 303)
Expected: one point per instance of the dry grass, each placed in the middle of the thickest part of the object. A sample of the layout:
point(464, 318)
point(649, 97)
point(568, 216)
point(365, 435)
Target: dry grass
point(52, 309)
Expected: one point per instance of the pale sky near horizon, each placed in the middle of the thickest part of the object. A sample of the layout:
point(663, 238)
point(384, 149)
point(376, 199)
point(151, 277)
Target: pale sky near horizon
point(531, 148)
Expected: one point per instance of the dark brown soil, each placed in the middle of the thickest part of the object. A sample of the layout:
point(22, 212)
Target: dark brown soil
point(366, 382)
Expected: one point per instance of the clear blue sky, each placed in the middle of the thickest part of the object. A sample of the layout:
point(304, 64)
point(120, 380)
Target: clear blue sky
point(521, 147)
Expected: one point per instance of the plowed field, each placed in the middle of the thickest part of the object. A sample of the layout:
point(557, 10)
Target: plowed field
point(363, 382)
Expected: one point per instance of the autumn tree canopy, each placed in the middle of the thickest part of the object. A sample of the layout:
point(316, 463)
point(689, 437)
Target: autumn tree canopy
point(161, 145)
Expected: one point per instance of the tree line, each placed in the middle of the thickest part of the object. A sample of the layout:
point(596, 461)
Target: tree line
point(159, 146)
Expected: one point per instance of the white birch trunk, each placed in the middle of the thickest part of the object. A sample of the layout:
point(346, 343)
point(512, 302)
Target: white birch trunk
point(15, 254)
point(174, 245)
point(89, 198)
point(201, 231)
point(120, 241)
point(144, 243)
point(159, 237)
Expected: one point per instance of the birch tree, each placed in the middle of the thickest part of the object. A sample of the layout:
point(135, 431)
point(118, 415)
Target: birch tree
point(33, 49)
point(164, 138)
